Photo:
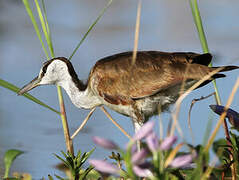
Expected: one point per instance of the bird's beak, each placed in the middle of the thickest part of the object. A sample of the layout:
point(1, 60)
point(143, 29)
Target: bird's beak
point(34, 83)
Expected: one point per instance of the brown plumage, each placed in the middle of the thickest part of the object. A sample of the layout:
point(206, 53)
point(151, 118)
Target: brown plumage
point(136, 90)
point(154, 74)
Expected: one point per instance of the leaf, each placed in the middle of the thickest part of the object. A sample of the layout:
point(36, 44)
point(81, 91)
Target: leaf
point(86, 155)
point(86, 172)
point(15, 89)
point(234, 140)
point(78, 154)
point(64, 154)
point(9, 157)
point(69, 158)
point(219, 147)
point(218, 143)
point(65, 162)
point(59, 177)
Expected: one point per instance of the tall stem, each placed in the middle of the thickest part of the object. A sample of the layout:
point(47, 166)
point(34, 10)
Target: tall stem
point(203, 40)
point(47, 33)
point(69, 144)
point(202, 37)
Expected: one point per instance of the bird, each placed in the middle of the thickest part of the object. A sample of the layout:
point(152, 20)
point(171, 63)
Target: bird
point(136, 90)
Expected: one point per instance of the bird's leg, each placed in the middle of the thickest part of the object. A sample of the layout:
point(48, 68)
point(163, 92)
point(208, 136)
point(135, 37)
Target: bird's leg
point(137, 126)
point(137, 120)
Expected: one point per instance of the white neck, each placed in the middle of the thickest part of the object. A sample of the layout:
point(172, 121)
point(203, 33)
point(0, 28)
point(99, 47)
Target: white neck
point(58, 73)
point(81, 99)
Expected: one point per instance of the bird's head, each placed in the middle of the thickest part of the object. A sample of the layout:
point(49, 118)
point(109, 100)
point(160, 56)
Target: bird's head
point(54, 71)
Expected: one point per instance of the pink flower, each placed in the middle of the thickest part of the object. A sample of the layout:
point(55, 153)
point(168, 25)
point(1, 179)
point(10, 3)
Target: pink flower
point(144, 131)
point(152, 142)
point(142, 172)
point(133, 148)
point(168, 143)
point(139, 157)
point(104, 166)
point(107, 144)
point(182, 161)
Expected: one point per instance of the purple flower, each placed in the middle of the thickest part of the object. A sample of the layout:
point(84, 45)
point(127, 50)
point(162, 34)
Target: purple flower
point(144, 131)
point(152, 142)
point(145, 165)
point(182, 161)
point(232, 115)
point(139, 157)
point(142, 172)
point(104, 166)
point(133, 148)
point(168, 142)
point(107, 144)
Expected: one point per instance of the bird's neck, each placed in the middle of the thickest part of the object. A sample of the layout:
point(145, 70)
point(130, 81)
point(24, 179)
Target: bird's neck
point(79, 93)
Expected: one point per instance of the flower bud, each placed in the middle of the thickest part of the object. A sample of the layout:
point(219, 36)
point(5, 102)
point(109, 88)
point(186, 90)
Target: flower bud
point(152, 142)
point(142, 172)
point(139, 156)
point(182, 161)
point(168, 142)
point(232, 115)
point(144, 131)
point(104, 166)
point(107, 144)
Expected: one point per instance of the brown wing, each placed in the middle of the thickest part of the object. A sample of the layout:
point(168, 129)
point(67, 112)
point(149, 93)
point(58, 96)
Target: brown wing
point(115, 79)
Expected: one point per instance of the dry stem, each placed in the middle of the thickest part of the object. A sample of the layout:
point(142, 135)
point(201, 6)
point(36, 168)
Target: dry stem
point(83, 123)
point(115, 123)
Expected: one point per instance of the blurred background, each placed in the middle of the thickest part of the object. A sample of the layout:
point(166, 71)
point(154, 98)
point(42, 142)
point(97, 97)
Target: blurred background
point(165, 26)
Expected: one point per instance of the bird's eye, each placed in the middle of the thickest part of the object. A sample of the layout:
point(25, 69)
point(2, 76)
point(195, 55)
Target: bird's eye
point(45, 65)
point(44, 69)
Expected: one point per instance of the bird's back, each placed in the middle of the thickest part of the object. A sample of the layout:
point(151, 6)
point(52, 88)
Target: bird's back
point(118, 81)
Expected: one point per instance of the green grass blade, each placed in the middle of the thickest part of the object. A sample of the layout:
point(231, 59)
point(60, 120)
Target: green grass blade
point(48, 30)
point(15, 89)
point(203, 40)
point(91, 27)
point(198, 22)
point(29, 11)
point(9, 157)
point(45, 29)
point(45, 16)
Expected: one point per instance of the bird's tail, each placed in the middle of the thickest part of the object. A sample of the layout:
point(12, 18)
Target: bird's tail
point(223, 69)
point(219, 75)
point(226, 68)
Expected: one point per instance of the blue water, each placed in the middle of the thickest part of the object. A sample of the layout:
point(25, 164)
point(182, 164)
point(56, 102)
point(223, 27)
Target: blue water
point(165, 25)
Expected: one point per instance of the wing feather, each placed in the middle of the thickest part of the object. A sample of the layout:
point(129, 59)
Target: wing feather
point(118, 81)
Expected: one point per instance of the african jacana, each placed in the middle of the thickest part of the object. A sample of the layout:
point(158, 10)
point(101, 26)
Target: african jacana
point(135, 90)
